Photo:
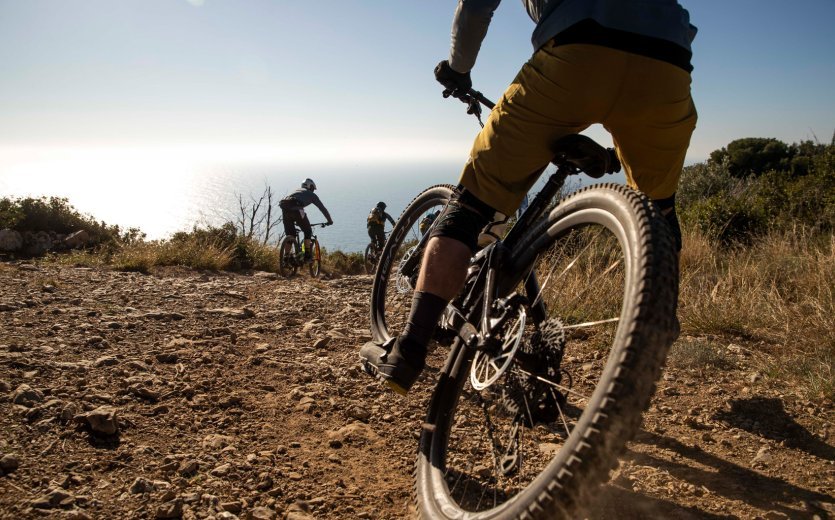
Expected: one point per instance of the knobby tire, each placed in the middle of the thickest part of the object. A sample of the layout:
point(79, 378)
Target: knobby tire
point(391, 295)
point(316, 259)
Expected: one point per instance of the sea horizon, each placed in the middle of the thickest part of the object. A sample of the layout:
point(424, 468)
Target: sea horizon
point(161, 201)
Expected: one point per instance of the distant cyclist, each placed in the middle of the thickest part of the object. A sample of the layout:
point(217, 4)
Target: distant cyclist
point(427, 221)
point(376, 223)
point(292, 213)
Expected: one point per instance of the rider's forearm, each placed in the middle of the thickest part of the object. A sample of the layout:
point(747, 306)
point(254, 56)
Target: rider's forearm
point(469, 26)
point(323, 210)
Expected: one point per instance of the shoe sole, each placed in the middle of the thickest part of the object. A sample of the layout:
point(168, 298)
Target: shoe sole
point(372, 371)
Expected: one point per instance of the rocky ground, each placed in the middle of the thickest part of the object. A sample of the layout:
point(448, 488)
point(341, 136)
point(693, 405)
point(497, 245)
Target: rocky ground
point(211, 395)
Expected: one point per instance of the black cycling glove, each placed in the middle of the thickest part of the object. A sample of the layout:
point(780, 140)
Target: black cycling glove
point(455, 83)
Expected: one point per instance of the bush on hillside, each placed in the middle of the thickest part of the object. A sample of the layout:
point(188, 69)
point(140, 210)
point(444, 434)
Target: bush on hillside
point(56, 214)
point(797, 190)
point(244, 252)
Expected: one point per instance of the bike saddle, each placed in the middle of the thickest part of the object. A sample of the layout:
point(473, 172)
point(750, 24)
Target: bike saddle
point(586, 155)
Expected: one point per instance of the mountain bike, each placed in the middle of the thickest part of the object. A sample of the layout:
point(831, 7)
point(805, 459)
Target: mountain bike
point(372, 254)
point(288, 265)
point(558, 339)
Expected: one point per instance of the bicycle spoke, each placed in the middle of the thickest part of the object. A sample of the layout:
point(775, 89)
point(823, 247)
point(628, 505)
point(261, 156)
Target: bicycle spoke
point(591, 323)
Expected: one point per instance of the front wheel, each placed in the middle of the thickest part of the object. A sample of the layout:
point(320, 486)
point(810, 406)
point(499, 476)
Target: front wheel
point(536, 440)
point(287, 256)
point(315, 259)
point(391, 294)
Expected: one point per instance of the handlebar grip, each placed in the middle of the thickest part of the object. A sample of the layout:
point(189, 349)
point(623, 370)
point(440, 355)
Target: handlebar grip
point(481, 99)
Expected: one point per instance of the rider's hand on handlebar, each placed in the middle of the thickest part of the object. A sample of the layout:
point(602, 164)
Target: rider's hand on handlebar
point(328, 223)
point(455, 83)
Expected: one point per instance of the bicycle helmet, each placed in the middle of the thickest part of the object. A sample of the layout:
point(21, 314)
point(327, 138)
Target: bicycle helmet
point(381, 205)
point(308, 184)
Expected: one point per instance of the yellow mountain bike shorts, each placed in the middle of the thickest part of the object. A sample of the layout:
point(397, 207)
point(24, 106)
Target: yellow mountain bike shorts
point(643, 102)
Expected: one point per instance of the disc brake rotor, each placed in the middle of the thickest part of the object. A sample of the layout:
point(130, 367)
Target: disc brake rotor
point(403, 284)
point(488, 367)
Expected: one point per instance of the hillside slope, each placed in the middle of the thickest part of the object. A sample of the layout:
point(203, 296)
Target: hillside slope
point(238, 396)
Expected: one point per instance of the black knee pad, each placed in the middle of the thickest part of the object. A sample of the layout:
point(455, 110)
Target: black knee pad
point(668, 210)
point(463, 219)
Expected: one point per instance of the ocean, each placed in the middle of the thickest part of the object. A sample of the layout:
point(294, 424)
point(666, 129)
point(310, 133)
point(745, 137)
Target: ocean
point(164, 200)
point(161, 199)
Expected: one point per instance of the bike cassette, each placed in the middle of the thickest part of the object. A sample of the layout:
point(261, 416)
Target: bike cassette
point(531, 390)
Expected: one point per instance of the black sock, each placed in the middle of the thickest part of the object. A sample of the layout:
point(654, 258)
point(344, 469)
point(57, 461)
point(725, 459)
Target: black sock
point(423, 318)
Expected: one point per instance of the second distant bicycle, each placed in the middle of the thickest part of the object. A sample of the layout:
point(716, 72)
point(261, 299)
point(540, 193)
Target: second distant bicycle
point(376, 224)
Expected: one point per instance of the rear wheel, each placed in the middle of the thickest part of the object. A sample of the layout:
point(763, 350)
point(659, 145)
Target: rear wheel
point(315, 259)
point(370, 258)
point(287, 256)
point(391, 294)
point(534, 438)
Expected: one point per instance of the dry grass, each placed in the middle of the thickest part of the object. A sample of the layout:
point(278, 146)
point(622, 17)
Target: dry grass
point(778, 293)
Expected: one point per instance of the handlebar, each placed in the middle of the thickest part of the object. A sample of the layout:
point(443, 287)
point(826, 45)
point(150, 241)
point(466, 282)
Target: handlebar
point(474, 99)
point(320, 224)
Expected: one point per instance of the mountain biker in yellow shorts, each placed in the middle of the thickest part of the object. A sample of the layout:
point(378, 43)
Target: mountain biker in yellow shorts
point(624, 64)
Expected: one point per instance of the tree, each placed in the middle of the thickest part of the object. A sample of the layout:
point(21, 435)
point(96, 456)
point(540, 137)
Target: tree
point(754, 156)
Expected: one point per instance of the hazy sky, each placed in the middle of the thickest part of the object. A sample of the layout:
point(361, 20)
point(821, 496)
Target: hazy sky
point(337, 78)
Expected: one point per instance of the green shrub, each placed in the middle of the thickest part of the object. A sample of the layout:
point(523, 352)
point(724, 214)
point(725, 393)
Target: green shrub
point(343, 263)
point(58, 215)
point(714, 199)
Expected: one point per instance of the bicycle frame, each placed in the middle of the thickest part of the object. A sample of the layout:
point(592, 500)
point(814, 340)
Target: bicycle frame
point(481, 293)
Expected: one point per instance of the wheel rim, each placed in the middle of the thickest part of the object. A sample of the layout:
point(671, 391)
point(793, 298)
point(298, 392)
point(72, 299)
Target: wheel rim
point(500, 439)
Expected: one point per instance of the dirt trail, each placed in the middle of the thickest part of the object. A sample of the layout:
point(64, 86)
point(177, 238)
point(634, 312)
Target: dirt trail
point(238, 396)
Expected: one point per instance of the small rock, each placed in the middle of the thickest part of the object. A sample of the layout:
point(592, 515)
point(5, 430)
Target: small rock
point(167, 357)
point(170, 509)
point(188, 468)
point(141, 485)
point(106, 361)
point(221, 471)
point(359, 413)
point(54, 498)
point(322, 342)
point(144, 392)
point(216, 441)
point(233, 507)
point(242, 313)
point(763, 456)
point(68, 412)
point(261, 513)
point(138, 366)
point(76, 514)
point(775, 515)
point(102, 420)
point(27, 396)
point(9, 463)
